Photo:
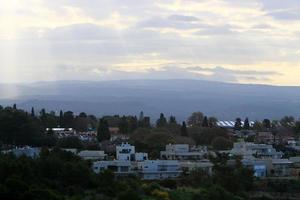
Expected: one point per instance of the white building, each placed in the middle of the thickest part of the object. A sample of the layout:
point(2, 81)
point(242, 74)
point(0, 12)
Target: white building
point(119, 167)
point(249, 149)
point(127, 152)
point(158, 169)
point(181, 152)
point(32, 152)
point(205, 165)
point(92, 155)
point(258, 166)
point(130, 162)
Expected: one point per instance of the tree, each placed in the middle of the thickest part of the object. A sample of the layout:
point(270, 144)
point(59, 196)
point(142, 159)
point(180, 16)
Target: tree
point(258, 126)
point(32, 112)
point(68, 119)
point(141, 117)
point(205, 136)
point(16, 127)
point(61, 115)
point(195, 119)
point(246, 124)
point(162, 121)
point(70, 142)
point(238, 124)
point(132, 124)
point(212, 121)
point(267, 124)
point(172, 120)
point(123, 125)
point(146, 122)
point(287, 121)
point(183, 129)
point(205, 122)
point(103, 131)
point(221, 143)
point(15, 106)
point(82, 115)
point(297, 128)
point(43, 112)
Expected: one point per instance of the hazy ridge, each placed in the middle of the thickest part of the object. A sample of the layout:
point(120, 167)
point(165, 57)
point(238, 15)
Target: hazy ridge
point(178, 97)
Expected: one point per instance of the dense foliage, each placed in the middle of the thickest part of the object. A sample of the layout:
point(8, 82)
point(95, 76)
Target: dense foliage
point(58, 174)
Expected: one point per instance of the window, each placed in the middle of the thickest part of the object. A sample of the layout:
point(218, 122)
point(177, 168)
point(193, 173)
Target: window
point(124, 168)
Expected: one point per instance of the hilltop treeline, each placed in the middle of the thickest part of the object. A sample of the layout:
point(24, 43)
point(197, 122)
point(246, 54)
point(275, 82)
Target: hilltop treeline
point(18, 127)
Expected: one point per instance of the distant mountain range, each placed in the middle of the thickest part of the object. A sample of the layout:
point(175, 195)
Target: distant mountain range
point(226, 101)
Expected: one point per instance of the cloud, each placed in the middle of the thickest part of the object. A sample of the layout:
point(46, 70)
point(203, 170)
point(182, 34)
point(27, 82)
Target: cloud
point(183, 22)
point(130, 38)
point(184, 18)
point(202, 73)
point(282, 10)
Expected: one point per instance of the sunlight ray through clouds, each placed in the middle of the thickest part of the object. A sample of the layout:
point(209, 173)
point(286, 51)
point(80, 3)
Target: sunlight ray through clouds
point(47, 40)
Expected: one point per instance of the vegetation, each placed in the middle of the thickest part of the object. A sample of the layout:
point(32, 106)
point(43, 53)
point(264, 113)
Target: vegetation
point(58, 174)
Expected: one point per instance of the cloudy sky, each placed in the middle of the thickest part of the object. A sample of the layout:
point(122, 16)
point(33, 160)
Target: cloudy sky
point(244, 41)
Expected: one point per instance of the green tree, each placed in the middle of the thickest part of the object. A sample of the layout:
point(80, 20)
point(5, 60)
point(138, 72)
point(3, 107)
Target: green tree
point(267, 124)
point(19, 128)
point(246, 124)
point(258, 126)
point(195, 119)
point(68, 119)
point(32, 112)
point(238, 124)
point(221, 143)
point(183, 129)
point(123, 125)
point(162, 121)
point(287, 121)
point(70, 142)
point(103, 131)
point(172, 120)
point(205, 122)
point(212, 121)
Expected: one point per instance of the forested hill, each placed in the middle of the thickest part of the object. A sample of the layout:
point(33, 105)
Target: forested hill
point(178, 97)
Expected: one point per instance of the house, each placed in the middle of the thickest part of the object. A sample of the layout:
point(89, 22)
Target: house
point(181, 152)
point(32, 152)
point(130, 162)
point(114, 130)
point(158, 169)
point(61, 132)
point(127, 152)
point(72, 150)
point(296, 166)
point(115, 135)
point(259, 167)
point(188, 166)
point(92, 155)
point(249, 149)
point(266, 138)
point(119, 167)
point(281, 167)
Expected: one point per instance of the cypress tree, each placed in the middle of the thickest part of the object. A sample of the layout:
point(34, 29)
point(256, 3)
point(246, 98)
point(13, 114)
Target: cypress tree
point(162, 121)
point(238, 124)
point(205, 122)
point(246, 124)
point(61, 115)
point(183, 129)
point(32, 112)
point(103, 131)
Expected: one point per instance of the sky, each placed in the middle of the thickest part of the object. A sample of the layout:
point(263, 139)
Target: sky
point(239, 41)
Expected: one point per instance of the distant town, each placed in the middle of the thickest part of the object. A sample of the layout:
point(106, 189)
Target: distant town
point(199, 158)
